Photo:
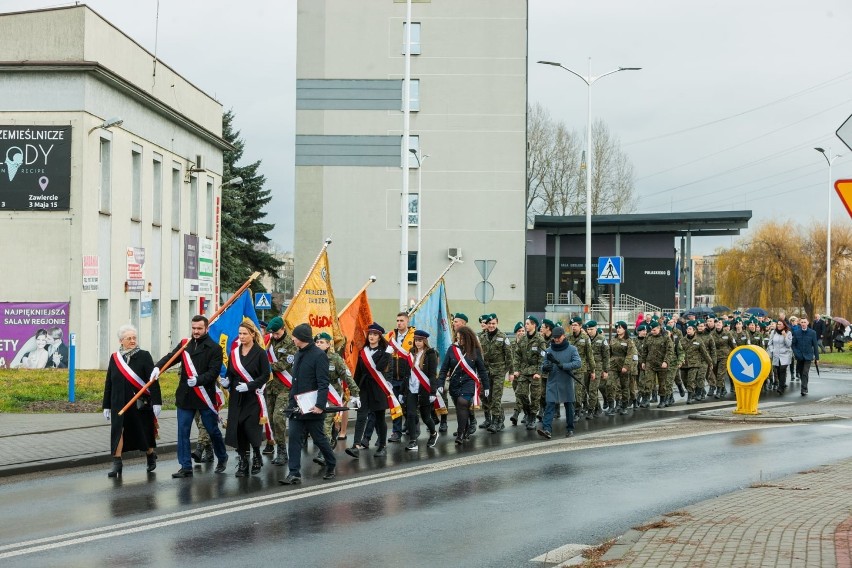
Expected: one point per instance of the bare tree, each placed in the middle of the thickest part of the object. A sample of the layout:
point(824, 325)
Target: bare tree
point(556, 176)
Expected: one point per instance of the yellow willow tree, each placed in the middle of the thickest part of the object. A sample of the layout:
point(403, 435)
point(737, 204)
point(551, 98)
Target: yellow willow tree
point(782, 266)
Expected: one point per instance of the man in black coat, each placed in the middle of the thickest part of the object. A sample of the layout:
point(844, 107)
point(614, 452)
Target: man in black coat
point(196, 392)
point(818, 325)
point(310, 373)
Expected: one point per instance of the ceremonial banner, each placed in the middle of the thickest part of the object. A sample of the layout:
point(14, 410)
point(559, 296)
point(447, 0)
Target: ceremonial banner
point(432, 316)
point(226, 327)
point(314, 304)
point(354, 321)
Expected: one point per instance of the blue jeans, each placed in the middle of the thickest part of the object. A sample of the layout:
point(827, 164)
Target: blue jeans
point(185, 418)
point(550, 410)
point(316, 431)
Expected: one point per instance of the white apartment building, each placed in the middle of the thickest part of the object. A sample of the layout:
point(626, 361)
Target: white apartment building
point(137, 171)
point(468, 115)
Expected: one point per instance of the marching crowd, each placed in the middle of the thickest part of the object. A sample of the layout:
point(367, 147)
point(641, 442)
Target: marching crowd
point(284, 388)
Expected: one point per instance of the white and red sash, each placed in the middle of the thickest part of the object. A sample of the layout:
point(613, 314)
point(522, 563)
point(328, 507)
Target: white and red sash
point(200, 392)
point(400, 350)
point(135, 380)
point(421, 377)
point(245, 376)
point(470, 373)
point(283, 376)
point(384, 385)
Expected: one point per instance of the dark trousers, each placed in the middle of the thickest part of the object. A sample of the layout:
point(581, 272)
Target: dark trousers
point(413, 407)
point(802, 369)
point(368, 420)
point(550, 410)
point(315, 430)
point(781, 377)
point(210, 420)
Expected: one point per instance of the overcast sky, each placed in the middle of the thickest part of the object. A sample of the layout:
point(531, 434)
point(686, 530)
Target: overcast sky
point(772, 79)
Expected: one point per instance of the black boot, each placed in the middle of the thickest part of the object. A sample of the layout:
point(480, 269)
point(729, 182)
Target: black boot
point(654, 397)
point(442, 427)
point(256, 462)
point(242, 465)
point(487, 423)
point(689, 399)
point(622, 408)
point(117, 465)
point(514, 418)
point(207, 455)
point(152, 461)
point(281, 457)
point(680, 389)
point(196, 455)
point(712, 391)
point(530, 422)
point(269, 449)
point(471, 426)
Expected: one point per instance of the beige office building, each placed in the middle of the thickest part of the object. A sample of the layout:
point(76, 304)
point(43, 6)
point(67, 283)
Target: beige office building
point(105, 152)
point(468, 115)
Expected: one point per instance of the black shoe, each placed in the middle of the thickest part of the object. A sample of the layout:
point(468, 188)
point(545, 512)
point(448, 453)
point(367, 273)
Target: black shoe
point(492, 427)
point(433, 440)
point(598, 411)
point(353, 452)
point(654, 396)
point(412, 445)
point(151, 460)
point(242, 466)
point(544, 433)
point(207, 455)
point(221, 465)
point(196, 455)
point(501, 426)
point(256, 463)
point(269, 449)
point(395, 437)
point(569, 434)
point(117, 466)
point(622, 410)
point(681, 390)
point(514, 419)
point(182, 472)
point(662, 403)
point(319, 459)
point(804, 393)
point(459, 441)
point(330, 474)
point(531, 423)
point(291, 480)
point(281, 457)
point(471, 428)
point(443, 427)
point(381, 452)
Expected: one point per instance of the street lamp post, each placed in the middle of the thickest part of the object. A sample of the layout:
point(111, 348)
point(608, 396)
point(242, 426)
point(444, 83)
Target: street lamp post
point(828, 233)
point(419, 218)
point(589, 81)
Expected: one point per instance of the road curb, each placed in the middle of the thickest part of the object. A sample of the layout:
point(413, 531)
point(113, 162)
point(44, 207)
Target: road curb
point(764, 418)
point(73, 461)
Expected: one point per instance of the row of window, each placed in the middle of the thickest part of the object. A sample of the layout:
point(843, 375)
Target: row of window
point(136, 190)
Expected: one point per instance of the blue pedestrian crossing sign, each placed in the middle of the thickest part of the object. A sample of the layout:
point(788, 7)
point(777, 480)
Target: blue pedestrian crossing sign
point(262, 301)
point(611, 270)
point(749, 364)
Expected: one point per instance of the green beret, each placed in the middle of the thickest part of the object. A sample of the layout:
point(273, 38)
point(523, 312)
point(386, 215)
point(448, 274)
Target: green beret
point(654, 323)
point(322, 335)
point(590, 323)
point(577, 319)
point(692, 324)
point(533, 319)
point(737, 312)
point(492, 316)
point(274, 324)
point(763, 325)
point(726, 323)
point(655, 318)
point(460, 316)
point(548, 323)
point(621, 324)
point(518, 326)
point(642, 327)
point(484, 318)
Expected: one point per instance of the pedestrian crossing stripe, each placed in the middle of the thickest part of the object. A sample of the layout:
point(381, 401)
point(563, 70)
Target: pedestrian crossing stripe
point(610, 272)
point(262, 302)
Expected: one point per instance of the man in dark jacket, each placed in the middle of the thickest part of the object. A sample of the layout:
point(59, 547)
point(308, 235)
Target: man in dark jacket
point(819, 327)
point(310, 373)
point(806, 350)
point(196, 392)
point(560, 360)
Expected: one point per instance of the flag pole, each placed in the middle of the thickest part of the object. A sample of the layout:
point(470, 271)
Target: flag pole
point(355, 297)
point(308, 275)
point(181, 349)
point(438, 281)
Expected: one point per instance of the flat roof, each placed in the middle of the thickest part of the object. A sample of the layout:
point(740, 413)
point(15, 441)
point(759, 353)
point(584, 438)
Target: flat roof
point(698, 224)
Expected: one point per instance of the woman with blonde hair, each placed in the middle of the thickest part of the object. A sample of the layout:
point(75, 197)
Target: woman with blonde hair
point(248, 371)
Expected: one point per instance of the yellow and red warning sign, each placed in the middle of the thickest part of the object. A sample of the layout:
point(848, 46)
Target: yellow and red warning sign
point(843, 187)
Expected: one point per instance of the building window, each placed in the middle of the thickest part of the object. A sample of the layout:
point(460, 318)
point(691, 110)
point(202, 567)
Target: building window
point(193, 205)
point(157, 198)
point(413, 144)
point(209, 211)
point(413, 210)
point(176, 198)
point(136, 185)
point(415, 37)
point(106, 176)
point(412, 267)
point(413, 94)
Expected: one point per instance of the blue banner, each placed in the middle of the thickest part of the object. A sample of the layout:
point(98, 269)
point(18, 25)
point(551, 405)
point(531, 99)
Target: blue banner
point(226, 327)
point(432, 316)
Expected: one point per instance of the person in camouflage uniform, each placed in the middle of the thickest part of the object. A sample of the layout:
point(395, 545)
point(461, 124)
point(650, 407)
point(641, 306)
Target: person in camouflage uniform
point(281, 351)
point(638, 380)
point(546, 331)
point(338, 376)
point(657, 352)
point(674, 375)
point(696, 360)
point(707, 372)
point(723, 338)
point(623, 360)
point(497, 353)
point(586, 373)
point(527, 365)
point(519, 409)
point(600, 349)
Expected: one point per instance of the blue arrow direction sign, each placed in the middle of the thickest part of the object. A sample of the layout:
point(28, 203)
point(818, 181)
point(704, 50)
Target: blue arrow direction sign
point(749, 364)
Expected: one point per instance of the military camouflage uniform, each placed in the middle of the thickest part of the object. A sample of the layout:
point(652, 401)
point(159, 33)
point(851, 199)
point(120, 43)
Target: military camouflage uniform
point(724, 341)
point(497, 353)
point(584, 347)
point(277, 394)
point(706, 369)
point(656, 350)
point(538, 388)
point(600, 349)
point(622, 355)
point(527, 362)
point(696, 360)
point(675, 365)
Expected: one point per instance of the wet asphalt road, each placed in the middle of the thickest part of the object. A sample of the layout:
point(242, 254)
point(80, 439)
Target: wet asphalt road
point(498, 502)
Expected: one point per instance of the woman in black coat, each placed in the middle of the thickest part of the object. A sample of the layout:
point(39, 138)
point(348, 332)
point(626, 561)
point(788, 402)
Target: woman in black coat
point(462, 385)
point(248, 371)
point(129, 368)
point(418, 398)
point(374, 401)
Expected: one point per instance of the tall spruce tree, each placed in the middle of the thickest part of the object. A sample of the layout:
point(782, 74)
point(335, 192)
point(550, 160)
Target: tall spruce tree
point(242, 214)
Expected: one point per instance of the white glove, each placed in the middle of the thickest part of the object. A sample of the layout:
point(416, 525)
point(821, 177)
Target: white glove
point(191, 382)
point(225, 382)
point(155, 374)
point(106, 414)
point(485, 393)
point(355, 402)
point(242, 387)
point(157, 408)
point(433, 398)
point(440, 390)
